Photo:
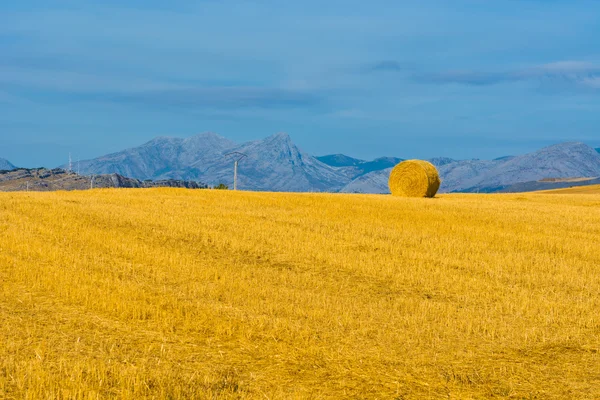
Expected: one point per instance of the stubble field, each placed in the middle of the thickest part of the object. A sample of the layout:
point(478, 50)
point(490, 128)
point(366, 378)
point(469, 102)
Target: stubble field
point(592, 189)
point(168, 293)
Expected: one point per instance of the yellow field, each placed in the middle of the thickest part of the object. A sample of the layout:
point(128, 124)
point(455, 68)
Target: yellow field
point(169, 293)
point(591, 189)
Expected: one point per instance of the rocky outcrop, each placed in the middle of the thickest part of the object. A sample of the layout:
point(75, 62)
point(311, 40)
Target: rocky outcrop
point(42, 179)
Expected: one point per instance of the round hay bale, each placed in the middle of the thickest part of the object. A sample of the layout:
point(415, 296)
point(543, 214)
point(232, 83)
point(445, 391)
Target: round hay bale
point(414, 178)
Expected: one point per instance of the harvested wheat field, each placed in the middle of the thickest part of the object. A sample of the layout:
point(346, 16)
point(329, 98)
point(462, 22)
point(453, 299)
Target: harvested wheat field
point(168, 293)
point(591, 189)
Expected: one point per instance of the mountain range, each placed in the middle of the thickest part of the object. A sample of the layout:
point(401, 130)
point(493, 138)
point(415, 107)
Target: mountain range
point(354, 167)
point(274, 163)
point(277, 164)
point(565, 160)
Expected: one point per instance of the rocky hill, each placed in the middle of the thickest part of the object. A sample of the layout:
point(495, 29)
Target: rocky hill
point(272, 164)
point(43, 180)
point(5, 165)
point(183, 158)
point(566, 160)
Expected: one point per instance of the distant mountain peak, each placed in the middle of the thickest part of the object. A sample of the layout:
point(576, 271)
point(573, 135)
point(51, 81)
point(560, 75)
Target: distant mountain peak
point(208, 139)
point(280, 137)
point(161, 140)
point(274, 163)
point(5, 165)
point(440, 161)
point(280, 145)
point(339, 160)
point(567, 149)
point(211, 135)
point(566, 146)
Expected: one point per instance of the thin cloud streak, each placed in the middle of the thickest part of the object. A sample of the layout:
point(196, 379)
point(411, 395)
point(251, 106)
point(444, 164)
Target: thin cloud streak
point(387, 65)
point(76, 86)
point(575, 72)
point(214, 98)
point(74, 82)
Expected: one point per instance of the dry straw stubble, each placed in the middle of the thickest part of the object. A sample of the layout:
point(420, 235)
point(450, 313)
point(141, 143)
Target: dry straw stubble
point(248, 295)
point(414, 178)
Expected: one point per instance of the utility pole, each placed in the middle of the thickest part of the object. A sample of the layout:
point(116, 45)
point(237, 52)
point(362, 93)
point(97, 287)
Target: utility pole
point(235, 165)
point(92, 182)
point(238, 156)
point(70, 163)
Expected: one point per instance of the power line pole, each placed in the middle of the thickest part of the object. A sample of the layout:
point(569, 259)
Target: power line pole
point(235, 165)
point(238, 156)
point(70, 163)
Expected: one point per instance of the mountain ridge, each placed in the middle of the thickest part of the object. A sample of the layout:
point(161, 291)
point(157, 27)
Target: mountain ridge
point(355, 167)
point(562, 160)
point(157, 156)
point(339, 160)
point(275, 163)
point(570, 159)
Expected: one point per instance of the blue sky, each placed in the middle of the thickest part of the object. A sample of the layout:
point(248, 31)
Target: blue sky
point(461, 78)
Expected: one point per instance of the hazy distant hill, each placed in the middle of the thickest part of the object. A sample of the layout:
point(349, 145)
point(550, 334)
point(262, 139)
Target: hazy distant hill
point(354, 167)
point(558, 161)
point(440, 161)
point(274, 163)
point(161, 156)
point(5, 165)
point(340, 160)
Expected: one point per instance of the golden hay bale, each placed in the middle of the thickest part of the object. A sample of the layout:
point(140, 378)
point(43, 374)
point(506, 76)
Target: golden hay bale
point(414, 178)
